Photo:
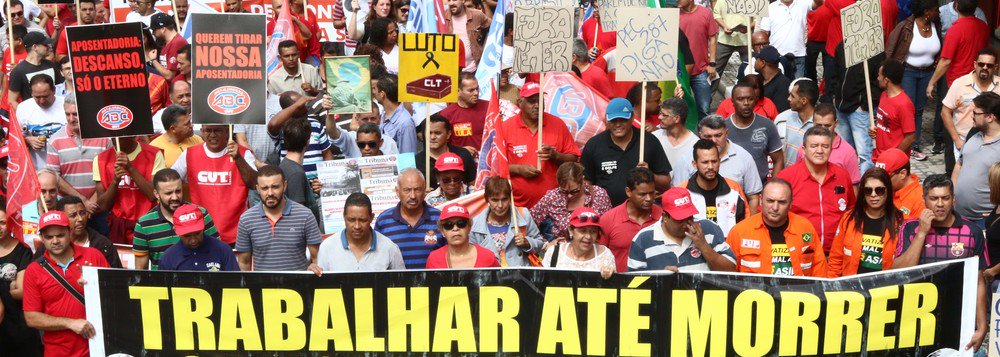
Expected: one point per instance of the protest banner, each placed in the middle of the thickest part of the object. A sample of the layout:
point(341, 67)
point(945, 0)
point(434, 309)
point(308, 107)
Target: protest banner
point(543, 39)
point(110, 81)
point(228, 84)
point(374, 176)
point(348, 82)
point(924, 310)
point(611, 16)
point(863, 39)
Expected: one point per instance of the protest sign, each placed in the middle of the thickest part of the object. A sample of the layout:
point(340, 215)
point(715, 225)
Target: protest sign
point(754, 8)
point(558, 3)
point(227, 67)
point(120, 8)
point(647, 44)
point(543, 39)
point(46, 2)
point(611, 16)
point(863, 34)
point(374, 176)
point(924, 310)
point(428, 67)
point(110, 80)
point(348, 81)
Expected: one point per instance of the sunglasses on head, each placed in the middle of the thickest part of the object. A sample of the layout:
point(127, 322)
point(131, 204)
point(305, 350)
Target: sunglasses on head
point(879, 191)
point(584, 218)
point(449, 225)
point(364, 144)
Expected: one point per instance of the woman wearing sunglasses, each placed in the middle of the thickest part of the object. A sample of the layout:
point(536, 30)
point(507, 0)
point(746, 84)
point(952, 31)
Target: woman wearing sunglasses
point(866, 235)
point(455, 225)
point(582, 252)
point(552, 212)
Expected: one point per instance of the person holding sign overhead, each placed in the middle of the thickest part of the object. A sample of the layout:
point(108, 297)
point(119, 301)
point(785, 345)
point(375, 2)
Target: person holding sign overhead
point(598, 40)
point(123, 179)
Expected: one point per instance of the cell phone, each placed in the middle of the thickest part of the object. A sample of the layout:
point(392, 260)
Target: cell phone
point(740, 28)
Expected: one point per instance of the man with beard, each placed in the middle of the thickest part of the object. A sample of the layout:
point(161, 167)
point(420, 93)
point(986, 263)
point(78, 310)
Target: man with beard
point(680, 242)
point(35, 63)
point(56, 307)
point(412, 224)
point(88, 12)
point(981, 151)
point(154, 232)
point(219, 168)
point(956, 111)
point(82, 235)
point(735, 163)
point(165, 31)
point(197, 252)
point(718, 199)
point(123, 186)
point(302, 78)
point(358, 247)
point(468, 25)
point(275, 234)
point(620, 224)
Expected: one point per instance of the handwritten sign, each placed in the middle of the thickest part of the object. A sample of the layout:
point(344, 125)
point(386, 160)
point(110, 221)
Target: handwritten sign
point(543, 39)
point(863, 33)
point(647, 44)
point(609, 12)
point(558, 3)
point(756, 8)
point(428, 67)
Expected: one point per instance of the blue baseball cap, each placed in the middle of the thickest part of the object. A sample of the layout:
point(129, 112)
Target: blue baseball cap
point(619, 108)
point(768, 54)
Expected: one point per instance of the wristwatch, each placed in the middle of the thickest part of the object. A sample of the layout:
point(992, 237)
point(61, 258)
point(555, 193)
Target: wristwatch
point(712, 64)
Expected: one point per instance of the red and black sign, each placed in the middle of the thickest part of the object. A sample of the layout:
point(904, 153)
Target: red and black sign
point(109, 75)
point(229, 81)
point(43, 2)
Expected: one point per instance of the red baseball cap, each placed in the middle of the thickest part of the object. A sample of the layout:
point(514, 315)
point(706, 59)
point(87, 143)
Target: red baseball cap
point(188, 219)
point(53, 218)
point(584, 217)
point(892, 160)
point(677, 203)
point(454, 210)
point(529, 89)
point(449, 162)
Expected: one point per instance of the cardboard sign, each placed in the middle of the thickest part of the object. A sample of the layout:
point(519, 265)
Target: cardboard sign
point(228, 84)
point(755, 8)
point(543, 39)
point(610, 12)
point(109, 76)
point(863, 34)
point(428, 67)
point(348, 81)
point(647, 44)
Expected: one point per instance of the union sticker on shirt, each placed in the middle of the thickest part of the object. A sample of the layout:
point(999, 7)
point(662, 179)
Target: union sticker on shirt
point(463, 129)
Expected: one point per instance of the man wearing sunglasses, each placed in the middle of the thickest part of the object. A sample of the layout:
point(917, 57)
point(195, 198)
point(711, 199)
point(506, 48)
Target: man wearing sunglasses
point(957, 108)
point(908, 195)
point(366, 141)
point(680, 242)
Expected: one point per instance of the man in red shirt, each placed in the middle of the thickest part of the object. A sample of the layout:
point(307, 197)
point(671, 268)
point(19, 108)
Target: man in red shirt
point(521, 138)
point(821, 192)
point(894, 127)
point(306, 26)
point(468, 115)
point(48, 305)
point(835, 35)
point(123, 184)
point(592, 75)
point(165, 31)
point(596, 38)
point(620, 225)
point(88, 12)
point(963, 41)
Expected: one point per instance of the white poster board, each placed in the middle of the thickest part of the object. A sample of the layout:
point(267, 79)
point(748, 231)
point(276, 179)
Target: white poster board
point(374, 176)
point(755, 8)
point(647, 44)
point(863, 34)
point(543, 39)
point(609, 12)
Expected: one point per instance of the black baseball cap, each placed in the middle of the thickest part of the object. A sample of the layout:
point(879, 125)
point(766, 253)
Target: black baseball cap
point(160, 20)
point(35, 38)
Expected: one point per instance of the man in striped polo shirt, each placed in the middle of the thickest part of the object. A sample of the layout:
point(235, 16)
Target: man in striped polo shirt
point(70, 157)
point(154, 232)
point(940, 234)
point(679, 242)
point(412, 224)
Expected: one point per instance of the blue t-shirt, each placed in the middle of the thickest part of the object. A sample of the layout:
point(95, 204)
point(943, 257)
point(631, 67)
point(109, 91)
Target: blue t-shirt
point(211, 255)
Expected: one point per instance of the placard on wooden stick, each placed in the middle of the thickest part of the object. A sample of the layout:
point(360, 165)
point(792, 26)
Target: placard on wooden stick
point(647, 44)
point(863, 33)
point(428, 67)
point(543, 39)
point(754, 8)
point(610, 12)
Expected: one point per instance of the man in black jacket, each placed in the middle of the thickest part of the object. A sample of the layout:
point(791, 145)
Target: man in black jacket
point(853, 113)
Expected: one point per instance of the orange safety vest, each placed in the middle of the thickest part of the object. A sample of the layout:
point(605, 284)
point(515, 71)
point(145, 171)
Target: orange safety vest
point(845, 255)
point(751, 243)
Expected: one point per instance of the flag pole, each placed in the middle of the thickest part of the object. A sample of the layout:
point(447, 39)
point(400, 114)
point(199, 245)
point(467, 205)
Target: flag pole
point(642, 125)
point(749, 44)
point(79, 19)
point(10, 36)
point(541, 114)
point(177, 19)
point(868, 91)
point(427, 146)
point(45, 207)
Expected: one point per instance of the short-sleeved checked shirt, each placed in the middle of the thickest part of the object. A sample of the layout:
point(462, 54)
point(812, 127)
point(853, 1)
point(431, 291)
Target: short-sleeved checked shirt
point(281, 245)
point(652, 250)
point(154, 234)
point(962, 240)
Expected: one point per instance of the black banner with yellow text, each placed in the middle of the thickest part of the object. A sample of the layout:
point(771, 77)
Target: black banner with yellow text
point(529, 311)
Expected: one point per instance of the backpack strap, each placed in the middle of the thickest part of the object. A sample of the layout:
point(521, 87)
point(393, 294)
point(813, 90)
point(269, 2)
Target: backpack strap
point(59, 278)
point(555, 256)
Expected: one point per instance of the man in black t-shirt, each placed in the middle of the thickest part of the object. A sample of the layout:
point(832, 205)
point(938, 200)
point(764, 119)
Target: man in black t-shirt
point(440, 138)
point(38, 47)
point(717, 198)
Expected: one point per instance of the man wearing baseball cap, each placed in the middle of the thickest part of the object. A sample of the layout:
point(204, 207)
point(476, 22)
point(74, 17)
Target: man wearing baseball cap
point(908, 194)
point(775, 83)
point(450, 177)
point(684, 244)
point(530, 181)
point(53, 296)
point(610, 155)
point(775, 241)
point(165, 31)
point(38, 46)
point(197, 252)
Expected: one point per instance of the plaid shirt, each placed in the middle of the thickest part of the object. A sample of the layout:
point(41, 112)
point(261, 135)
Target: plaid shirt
point(553, 205)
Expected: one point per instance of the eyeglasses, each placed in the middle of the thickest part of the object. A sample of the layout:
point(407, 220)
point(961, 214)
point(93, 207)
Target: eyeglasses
point(878, 191)
point(364, 144)
point(449, 225)
point(570, 192)
point(17, 14)
point(975, 113)
point(986, 65)
point(449, 180)
point(584, 218)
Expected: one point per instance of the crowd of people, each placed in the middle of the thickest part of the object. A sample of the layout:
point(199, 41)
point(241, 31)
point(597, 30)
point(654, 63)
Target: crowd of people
point(793, 173)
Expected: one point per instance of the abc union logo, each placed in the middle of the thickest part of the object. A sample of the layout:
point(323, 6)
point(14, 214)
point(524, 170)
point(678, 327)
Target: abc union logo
point(114, 117)
point(228, 100)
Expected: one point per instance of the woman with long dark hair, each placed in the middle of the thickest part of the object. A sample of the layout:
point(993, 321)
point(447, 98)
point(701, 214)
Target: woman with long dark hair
point(866, 235)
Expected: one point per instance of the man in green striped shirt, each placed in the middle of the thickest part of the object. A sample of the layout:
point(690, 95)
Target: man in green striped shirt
point(154, 232)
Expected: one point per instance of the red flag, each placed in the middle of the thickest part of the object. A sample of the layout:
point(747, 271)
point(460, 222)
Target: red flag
point(439, 12)
point(579, 106)
point(493, 155)
point(284, 29)
point(22, 181)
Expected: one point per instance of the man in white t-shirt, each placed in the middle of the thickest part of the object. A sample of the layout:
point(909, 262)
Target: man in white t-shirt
point(144, 11)
point(788, 18)
point(674, 136)
point(41, 115)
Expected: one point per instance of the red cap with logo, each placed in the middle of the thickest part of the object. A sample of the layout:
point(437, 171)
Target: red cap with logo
point(892, 160)
point(529, 89)
point(584, 217)
point(449, 161)
point(53, 218)
point(454, 210)
point(188, 219)
point(677, 203)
